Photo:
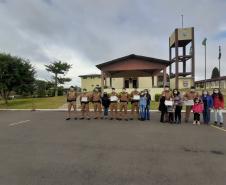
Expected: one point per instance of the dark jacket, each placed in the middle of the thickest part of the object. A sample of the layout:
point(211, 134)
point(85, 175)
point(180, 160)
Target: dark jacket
point(105, 101)
point(162, 106)
point(148, 99)
point(208, 101)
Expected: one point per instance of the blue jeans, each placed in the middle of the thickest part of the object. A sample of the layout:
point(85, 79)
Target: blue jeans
point(105, 111)
point(142, 111)
point(206, 115)
point(147, 113)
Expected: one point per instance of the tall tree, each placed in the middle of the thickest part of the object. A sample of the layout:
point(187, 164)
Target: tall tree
point(59, 68)
point(215, 73)
point(16, 74)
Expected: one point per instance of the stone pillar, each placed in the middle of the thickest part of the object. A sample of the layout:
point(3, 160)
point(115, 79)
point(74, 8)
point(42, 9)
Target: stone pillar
point(164, 76)
point(102, 81)
point(153, 79)
point(176, 60)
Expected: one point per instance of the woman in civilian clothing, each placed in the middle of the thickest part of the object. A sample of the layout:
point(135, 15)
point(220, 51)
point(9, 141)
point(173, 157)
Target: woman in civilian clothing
point(218, 106)
point(208, 104)
point(147, 108)
point(106, 103)
point(142, 105)
point(177, 102)
point(166, 95)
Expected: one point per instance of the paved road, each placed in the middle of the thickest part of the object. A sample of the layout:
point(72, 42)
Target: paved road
point(40, 148)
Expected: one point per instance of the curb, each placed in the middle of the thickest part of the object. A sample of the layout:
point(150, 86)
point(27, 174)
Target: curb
point(224, 111)
point(54, 110)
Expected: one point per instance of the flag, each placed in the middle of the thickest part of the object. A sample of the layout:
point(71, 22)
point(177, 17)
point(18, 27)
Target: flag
point(219, 57)
point(204, 42)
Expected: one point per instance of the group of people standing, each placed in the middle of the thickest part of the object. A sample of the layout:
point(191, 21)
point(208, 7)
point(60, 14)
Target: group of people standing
point(140, 104)
point(171, 104)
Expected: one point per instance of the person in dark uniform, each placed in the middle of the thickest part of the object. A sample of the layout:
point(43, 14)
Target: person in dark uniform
point(71, 99)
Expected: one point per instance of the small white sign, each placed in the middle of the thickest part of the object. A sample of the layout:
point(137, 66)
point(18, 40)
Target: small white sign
point(84, 99)
point(114, 98)
point(189, 102)
point(169, 103)
point(136, 97)
point(186, 83)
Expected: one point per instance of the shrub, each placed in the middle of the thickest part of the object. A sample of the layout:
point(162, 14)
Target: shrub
point(157, 97)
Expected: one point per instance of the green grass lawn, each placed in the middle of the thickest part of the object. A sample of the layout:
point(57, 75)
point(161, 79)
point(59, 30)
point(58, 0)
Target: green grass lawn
point(50, 103)
point(37, 103)
point(46, 103)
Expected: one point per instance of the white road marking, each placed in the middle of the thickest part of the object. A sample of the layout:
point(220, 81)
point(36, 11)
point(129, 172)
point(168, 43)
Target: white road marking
point(20, 122)
point(218, 128)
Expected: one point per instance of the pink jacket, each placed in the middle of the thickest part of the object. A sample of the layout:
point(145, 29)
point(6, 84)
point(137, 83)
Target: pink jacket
point(198, 107)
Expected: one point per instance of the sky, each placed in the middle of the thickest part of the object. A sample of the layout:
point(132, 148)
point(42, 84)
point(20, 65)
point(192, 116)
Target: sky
point(85, 33)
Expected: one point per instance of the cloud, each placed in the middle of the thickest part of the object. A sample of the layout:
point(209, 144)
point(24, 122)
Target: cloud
point(85, 33)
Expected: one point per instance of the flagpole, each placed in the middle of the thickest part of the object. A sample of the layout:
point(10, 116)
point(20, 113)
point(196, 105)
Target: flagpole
point(205, 66)
point(182, 16)
point(219, 58)
point(204, 44)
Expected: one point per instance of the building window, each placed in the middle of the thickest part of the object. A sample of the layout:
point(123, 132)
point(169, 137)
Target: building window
point(135, 83)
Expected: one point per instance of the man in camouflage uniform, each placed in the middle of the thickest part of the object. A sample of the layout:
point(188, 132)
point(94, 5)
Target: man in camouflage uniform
point(85, 99)
point(134, 104)
point(96, 99)
point(71, 99)
point(189, 95)
point(113, 104)
point(124, 98)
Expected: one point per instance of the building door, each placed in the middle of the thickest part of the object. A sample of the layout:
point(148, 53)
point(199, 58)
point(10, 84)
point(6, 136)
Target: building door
point(126, 83)
point(130, 83)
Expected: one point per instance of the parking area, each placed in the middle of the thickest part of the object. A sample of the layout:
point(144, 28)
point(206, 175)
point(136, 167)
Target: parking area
point(41, 148)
